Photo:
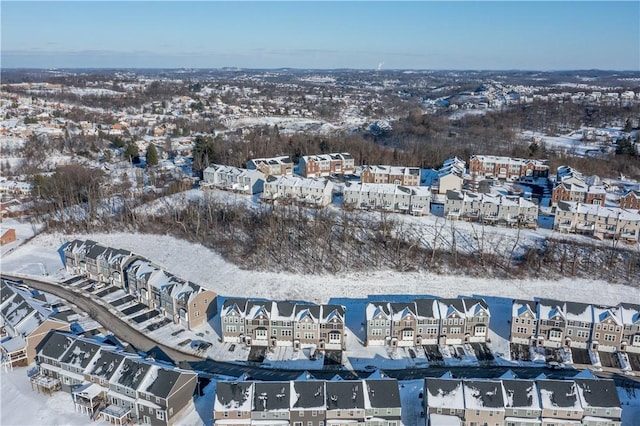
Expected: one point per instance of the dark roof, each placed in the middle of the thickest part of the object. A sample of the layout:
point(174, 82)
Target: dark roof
point(80, 353)
point(314, 310)
point(229, 393)
point(519, 393)
point(436, 386)
point(599, 392)
point(488, 392)
point(344, 395)
point(132, 373)
point(383, 393)
point(399, 307)
point(470, 302)
point(424, 308)
point(269, 396)
point(310, 394)
point(5, 292)
point(239, 302)
point(530, 303)
point(164, 382)
point(55, 344)
point(106, 364)
point(328, 309)
point(285, 309)
point(454, 195)
point(551, 302)
point(577, 308)
point(457, 303)
point(563, 393)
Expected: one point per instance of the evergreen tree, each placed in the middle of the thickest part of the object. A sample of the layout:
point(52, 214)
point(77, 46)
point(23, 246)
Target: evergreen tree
point(152, 156)
point(131, 152)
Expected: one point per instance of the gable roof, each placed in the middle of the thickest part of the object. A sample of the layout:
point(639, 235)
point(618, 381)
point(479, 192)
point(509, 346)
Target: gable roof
point(344, 395)
point(598, 393)
point(55, 344)
point(520, 394)
point(427, 308)
point(444, 393)
point(308, 394)
point(558, 394)
point(271, 396)
point(483, 394)
point(382, 393)
point(233, 396)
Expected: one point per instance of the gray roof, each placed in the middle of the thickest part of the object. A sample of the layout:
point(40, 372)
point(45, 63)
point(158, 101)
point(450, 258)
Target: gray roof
point(314, 310)
point(424, 308)
point(577, 308)
point(519, 393)
point(436, 386)
point(106, 364)
point(599, 392)
point(345, 395)
point(232, 393)
point(328, 309)
point(563, 392)
point(80, 353)
point(164, 382)
point(488, 392)
point(132, 373)
point(310, 394)
point(383, 393)
point(269, 396)
point(55, 344)
point(285, 309)
point(457, 303)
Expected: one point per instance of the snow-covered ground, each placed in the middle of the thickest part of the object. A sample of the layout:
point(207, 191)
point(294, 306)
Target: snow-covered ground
point(41, 256)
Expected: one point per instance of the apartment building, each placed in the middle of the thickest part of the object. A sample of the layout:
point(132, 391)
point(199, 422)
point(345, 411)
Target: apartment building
point(324, 165)
point(275, 166)
point(405, 176)
point(630, 200)
point(511, 169)
point(574, 189)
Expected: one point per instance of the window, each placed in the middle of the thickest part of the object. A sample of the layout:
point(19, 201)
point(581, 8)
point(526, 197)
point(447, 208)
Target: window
point(160, 414)
point(196, 313)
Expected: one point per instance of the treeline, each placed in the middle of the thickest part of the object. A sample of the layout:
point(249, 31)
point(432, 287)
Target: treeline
point(308, 241)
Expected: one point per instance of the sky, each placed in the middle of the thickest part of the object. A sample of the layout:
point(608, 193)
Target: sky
point(539, 35)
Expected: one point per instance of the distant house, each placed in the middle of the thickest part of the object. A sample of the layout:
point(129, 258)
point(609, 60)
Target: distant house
point(7, 236)
point(323, 165)
point(233, 179)
point(275, 166)
point(573, 189)
point(630, 200)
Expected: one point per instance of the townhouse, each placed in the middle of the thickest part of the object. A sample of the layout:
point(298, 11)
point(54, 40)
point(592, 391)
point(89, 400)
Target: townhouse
point(579, 324)
point(607, 328)
point(484, 402)
point(278, 323)
point(575, 190)
point(182, 301)
point(490, 209)
point(552, 323)
point(595, 220)
point(521, 402)
point(444, 401)
point(100, 263)
point(427, 321)
point(24, 321)
point(524, 321)
point(312, 192)
point(489, 166)
point(630, 314)
point(275, 166)
point(630, 200)
point(450, 176)
point(405, 176)
point(117, 386)
point(516, 402)
point(414, 200)
point(228, 178)
point(371, 402)
point(324, 165)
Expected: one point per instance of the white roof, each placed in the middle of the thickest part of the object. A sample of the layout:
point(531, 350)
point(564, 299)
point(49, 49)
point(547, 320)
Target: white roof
point(444, 420)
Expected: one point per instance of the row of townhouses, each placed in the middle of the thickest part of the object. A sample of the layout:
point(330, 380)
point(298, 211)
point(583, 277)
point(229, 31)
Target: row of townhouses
point(309, 403)
point(574, 189)
point(490, 209)
point(110, 383)
point(554, 324)
point(24, 321)
point(597, 221)
point(324, 165)
point(405, 176)
point(275, 166)
point(450, 176)
point(511, 169)
point(428, 321)
point(311, 192)
point(182, 301)
point(229, 178)
point(283, 323)
point(518, 402)
point(414, 200)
